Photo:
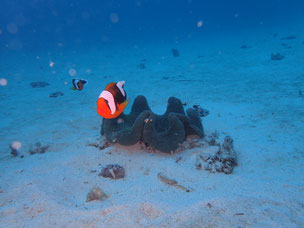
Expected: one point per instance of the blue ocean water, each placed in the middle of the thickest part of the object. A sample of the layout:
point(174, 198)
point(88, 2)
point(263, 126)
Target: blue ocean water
point(45, 23)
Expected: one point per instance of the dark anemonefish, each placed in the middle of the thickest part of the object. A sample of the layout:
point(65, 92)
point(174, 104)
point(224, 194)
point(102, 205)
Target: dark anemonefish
point(112, 101)
point(78, 84)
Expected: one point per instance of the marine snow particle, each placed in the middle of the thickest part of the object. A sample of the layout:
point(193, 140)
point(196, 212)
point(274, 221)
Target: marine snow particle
point(3, 82)
point(16, 145)
point(51, 64)
point(12, 28)
point(114, 17)
point(72, 72)
point(199, 24)
point(0, 31)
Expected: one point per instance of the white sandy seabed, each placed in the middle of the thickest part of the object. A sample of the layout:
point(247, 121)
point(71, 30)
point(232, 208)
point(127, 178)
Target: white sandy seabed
point(250, 97)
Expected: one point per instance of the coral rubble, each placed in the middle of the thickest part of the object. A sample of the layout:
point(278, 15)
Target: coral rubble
point(15, 149)
point(291, 37)
point(218, 157)
point(14, 152)
point(201, 111)
point(172, 182)
point(175, 52)
point(96, 194)
point(276, 56)
point(113, 171)
point(38, 149)
point(164, 133)
point(39, 84)
point(101, 144)
point(141, 66)
point(56, 94)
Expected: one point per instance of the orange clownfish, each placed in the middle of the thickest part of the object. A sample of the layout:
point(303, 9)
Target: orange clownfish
point(78, 84)
point(112, 101)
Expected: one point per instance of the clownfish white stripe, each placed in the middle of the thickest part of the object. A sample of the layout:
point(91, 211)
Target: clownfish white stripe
point(110, 99)
point(120, 85)
point(75, 81)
